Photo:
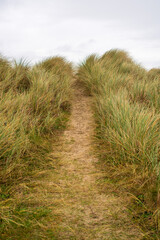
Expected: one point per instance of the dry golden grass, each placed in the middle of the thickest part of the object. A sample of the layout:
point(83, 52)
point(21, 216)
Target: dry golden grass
point(52, 186)
point(126, 105)
point(34, 104)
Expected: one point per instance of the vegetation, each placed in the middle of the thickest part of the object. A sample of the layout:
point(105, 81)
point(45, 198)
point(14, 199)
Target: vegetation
point(34, 108)
point(127, 112)
point(34, 104)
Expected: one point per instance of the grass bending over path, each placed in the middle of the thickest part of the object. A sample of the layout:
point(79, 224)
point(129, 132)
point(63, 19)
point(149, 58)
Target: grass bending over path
point(83, 211)
point(61, 198)
point(126, 106)
point(34, 104)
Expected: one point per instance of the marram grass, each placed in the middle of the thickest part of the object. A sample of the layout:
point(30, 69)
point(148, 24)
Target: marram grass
point(34, 103)
point(127, 104)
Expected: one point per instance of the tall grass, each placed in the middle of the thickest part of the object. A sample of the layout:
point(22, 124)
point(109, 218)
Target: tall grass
point(57, 65)
point(126, 105)
point(34, 103)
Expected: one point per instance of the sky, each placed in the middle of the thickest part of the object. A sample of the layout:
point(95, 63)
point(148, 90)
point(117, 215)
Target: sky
point(37, 29)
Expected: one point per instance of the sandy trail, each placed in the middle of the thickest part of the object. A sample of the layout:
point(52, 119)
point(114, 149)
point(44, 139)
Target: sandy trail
point(84, 212)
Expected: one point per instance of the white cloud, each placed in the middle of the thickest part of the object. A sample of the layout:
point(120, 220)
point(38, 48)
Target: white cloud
point(35, 29)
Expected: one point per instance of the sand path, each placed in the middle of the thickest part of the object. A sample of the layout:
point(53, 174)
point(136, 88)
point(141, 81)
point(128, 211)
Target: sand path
point(84, 212)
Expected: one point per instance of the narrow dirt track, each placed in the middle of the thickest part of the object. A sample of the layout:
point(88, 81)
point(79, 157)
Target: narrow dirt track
point(84, 212)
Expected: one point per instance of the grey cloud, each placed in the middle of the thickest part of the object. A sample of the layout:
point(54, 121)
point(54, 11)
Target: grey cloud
point(40, 28)
point(64, 48)
point(86, 44)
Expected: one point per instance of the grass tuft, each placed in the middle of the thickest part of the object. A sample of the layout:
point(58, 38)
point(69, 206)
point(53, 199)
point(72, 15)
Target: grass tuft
point(34, 104)
point(127, 105)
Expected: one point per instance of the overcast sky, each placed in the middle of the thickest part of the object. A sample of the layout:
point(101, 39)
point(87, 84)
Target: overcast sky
point(36, 29)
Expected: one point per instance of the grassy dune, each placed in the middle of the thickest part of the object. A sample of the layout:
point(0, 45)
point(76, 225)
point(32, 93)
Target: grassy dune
point(34, 107)
point(127, 107)
point(34, 104)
